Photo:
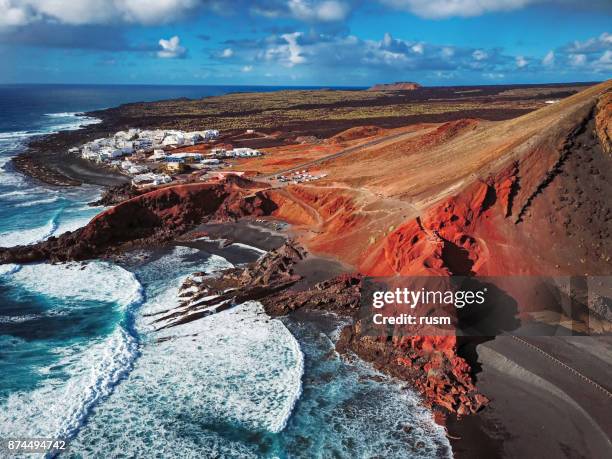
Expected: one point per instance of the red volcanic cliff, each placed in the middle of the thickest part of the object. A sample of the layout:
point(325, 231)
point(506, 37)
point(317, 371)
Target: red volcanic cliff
point(554, 197)
point(149, 219)
point(524, 197)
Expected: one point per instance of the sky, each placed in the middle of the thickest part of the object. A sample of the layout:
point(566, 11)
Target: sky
point(304, 42)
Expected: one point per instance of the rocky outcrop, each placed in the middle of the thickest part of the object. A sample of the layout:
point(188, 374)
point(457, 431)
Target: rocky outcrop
point(340, 294)
point(117, 194)
point(397, 86)
point(359, 132)
point(553, 196)
point(202, 295)
point(603, 121)
point(430, 363)
point(149, 219)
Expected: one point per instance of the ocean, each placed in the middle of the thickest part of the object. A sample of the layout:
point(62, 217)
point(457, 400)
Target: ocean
point(81, 360)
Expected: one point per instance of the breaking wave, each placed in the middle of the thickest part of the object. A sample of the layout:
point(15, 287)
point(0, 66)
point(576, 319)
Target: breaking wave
point(31, 235)
point(89, 370)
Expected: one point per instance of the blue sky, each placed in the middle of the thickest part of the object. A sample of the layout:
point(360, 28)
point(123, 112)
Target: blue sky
point(305, 42)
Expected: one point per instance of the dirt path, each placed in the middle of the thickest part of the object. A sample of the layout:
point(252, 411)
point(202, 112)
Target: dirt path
point(347, 151)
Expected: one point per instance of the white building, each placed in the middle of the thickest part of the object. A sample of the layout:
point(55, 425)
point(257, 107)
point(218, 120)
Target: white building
point(158, 154)
point(173, 140)
point(136, 169)
point(128, 142)
point(243, 152)
point(210, 162)
point(187, 156)
point(109, 153)
point(150, 179)
point(210, 134)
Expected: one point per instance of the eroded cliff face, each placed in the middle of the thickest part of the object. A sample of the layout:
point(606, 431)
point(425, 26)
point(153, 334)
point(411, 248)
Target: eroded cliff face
point(149, 219)
point(603, 122)
point(547, 212)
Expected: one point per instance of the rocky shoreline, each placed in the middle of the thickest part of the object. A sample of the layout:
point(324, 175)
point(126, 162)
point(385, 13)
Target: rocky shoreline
point(160, 216)
point(437, 372)
point(457, 236)
point(46, 158)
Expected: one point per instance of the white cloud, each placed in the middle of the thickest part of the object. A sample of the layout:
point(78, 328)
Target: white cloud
point(304, 10)
point(592, 45)
point(387, 39)
point(79, 12)
point(521, 62)
point(436, 9)
point(325, 11)
point(352, 54)
point(12, 15)
point(418, 48)
point(288, 54)
point(247, 68)
point(171, 48)
point(480, 55)
point(549, 59)
point(577, 60)
point(448, 52)
point(604, 63)
point(227, 52)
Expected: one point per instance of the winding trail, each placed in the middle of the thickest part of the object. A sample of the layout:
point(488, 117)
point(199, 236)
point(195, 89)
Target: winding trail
point(564, 365)
point(562, 382)
point(347, 151)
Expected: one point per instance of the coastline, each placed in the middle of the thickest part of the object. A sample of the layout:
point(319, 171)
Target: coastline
point(489, 432)
point(46, 158)
point(477, 435)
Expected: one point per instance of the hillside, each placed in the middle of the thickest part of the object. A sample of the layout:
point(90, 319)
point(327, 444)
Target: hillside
point(527, 196)
point(397, 86)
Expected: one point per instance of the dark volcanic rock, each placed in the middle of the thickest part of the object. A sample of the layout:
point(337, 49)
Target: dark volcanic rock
point(430, 363)
point(397, 86)
point(116, 194)
point(149, 219)
point(340, 294)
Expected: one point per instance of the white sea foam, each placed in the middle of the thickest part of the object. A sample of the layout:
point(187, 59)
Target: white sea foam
point(61, 114)
point(7, 270)
point(63, 220)
point(98, 281)
point(17, 193)
point(59, 407)
point(17, 135)
point(241, 344)
point(37, 202)
point(235, 368)
point(73, 224)
point(28, 236)
point(74, 121)
point(167, 297)
point(248, 247)
point(216, 263)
